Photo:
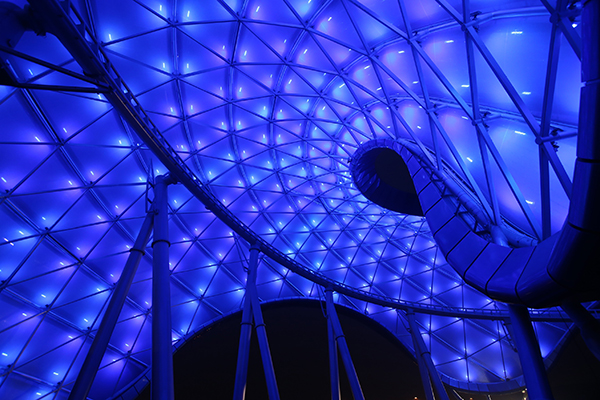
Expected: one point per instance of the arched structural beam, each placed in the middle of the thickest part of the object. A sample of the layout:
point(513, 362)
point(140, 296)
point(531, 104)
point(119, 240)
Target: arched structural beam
point(74, 35)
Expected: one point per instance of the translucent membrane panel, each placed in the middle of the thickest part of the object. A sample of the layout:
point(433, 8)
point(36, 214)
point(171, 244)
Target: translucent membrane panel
point(266, 102)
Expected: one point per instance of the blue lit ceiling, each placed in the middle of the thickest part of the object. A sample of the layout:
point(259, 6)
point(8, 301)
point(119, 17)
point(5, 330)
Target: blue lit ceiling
point(266, 102)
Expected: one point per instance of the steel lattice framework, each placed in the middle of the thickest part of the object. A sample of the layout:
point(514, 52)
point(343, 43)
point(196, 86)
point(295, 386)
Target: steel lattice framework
point(257, 108)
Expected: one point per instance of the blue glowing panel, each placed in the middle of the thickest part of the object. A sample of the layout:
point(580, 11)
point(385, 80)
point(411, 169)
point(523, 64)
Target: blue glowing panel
point(266, 102)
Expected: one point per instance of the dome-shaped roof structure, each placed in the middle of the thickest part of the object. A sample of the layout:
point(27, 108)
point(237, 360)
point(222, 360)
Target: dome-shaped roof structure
point(262, 105)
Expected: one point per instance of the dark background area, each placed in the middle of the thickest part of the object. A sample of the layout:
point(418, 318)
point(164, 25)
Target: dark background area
point(297, 331)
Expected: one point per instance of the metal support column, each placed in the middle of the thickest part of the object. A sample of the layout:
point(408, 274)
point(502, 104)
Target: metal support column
point(241, 373)
point(421, 349)
point(90, 366)
point(334, 371)
point(343, 346)
point(261, 331)
point(162, 352)
point(421, 363)
point(589, 327)
point(529, 354)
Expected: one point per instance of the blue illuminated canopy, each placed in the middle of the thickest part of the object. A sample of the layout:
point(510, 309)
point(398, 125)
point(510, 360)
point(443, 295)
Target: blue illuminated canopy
point(266, 103)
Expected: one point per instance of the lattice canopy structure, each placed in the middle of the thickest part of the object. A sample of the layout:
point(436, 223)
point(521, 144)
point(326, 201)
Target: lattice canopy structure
point(261, 106)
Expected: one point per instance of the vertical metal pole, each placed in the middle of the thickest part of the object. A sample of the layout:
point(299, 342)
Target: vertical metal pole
point(589, 327)
point(241, 373)
point(90, 366)
point(334, 372)
point(261, 332)
point(162, 353)
point(529, 354)
point(420, 361)
point(343, 346)
point(549, 87)
point(433, 374)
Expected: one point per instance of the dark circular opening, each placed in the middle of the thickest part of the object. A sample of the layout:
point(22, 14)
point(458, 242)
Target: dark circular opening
point(382, 176)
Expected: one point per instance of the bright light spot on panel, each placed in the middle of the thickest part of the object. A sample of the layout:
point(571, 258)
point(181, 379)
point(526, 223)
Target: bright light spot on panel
point(465, 86)
point(449, 41)
point(520, 133)
point(257, 8)
point(516, 32)
point(529, 202)
point(526, 93)
point(574, 25)
point(469, 159)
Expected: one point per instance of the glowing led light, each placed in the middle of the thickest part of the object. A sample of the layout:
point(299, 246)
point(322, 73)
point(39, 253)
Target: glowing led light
point(415, 82)
point(469, 159)
point(520, 133)
point(92, 172)
point(109, 36)
point(188, 14)
point(3, 180)
point(164, 65)
point(257, 8)
point(526, 93)
point(449, 41)
point(516, 32)
point(465, 86)
point(329, 19)
point(528, 201)
point(30, 72)
point(574, 25)
point(65, 129)
point(160, 7)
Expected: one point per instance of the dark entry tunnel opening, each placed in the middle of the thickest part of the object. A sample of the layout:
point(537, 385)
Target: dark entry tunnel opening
point(382, 177)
